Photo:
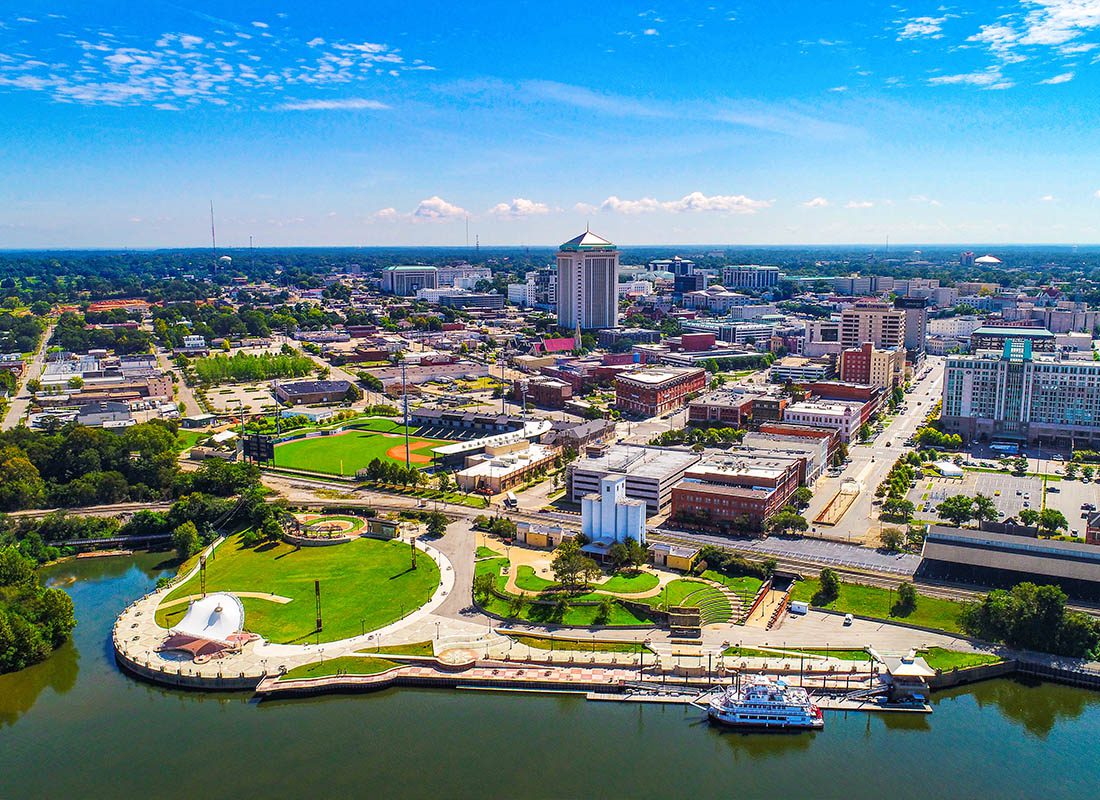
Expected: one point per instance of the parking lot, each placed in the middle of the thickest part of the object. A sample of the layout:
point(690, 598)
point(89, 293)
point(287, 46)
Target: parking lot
point(1011, 494)
point(251, 398)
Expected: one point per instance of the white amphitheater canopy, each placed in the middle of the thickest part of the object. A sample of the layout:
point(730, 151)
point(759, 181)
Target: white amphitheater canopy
point(214, 618)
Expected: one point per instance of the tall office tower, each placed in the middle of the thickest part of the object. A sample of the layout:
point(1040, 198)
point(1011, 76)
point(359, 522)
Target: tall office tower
point(916, 326)
point(872, 321)
point(588, 281)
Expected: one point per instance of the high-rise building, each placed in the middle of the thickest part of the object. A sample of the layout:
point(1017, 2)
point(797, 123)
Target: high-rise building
point(1023, 395)
point(916, 326)
point(872, 321)
point(588, 283)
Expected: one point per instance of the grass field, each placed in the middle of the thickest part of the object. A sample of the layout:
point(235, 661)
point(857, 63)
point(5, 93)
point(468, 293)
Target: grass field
point(871, 601)
point(347, 453)
point(540, 643)
point(346, 665)
point(365, 584)
point(188, 439)
point(939, 658)
point(562, 613)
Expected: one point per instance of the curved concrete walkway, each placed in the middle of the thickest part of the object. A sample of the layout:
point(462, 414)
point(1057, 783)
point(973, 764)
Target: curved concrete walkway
point(274, 598)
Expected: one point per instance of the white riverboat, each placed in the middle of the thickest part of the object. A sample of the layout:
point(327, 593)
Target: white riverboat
point(762, 703)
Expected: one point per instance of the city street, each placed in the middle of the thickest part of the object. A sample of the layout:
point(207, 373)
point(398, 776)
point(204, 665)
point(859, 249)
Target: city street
point(871, 462)
point(21, 401)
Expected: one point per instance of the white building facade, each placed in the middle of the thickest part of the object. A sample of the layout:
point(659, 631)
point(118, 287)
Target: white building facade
point(588, 280)
point(611, 516)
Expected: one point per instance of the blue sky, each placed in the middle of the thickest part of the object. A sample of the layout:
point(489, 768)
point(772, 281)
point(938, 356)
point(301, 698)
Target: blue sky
point(392, 123)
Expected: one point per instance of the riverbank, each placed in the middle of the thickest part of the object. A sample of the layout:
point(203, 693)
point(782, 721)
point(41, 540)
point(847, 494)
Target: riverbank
point(1001, 737)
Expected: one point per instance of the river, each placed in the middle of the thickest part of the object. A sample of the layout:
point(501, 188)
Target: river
point(77, 727)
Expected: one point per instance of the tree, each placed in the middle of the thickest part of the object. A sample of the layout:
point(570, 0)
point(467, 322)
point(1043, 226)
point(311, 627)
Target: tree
point(802, 497)
point(638, 553)
point(1029, 517)
point(907, 600)
point(619, 554)
point(437, 523)
point(1071, 470)
point(34, 386)
point(898, 508)
point(786, 521)
point(1051, 520)
point(829, 588)
point(76, 382)
point(1032, 617)
point(957, 509)
point(444, 481)
point(865, 431)
point(985, 510)
point(571, 567)
point(483, 586)
point(841, 455)
point(892, 539)
point(185, 540)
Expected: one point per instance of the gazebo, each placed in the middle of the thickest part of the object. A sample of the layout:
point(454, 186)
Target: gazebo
point(212, 626)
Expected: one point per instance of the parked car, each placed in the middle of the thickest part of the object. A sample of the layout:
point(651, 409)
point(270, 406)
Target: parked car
point(848, 619)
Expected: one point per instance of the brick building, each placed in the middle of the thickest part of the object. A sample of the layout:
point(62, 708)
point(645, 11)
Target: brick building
point(735, 490)
point(873, 366)
point(652, 392)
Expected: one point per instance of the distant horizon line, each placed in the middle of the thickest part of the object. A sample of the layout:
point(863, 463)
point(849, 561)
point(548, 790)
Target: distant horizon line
point(809, 245)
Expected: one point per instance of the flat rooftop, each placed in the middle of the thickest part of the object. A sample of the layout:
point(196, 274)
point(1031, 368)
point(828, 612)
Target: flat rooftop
point(658, 375)
point(638, 461)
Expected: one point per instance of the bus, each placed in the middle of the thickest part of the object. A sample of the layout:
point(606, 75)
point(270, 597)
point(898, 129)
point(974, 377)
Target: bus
point(511, 501)
point(1008, 448)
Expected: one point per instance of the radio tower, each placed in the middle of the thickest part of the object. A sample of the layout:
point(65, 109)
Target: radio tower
point(213, 238)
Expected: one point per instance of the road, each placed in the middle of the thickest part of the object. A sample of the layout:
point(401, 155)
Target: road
point(191, 407)
point(21, 402)
point(872, 461)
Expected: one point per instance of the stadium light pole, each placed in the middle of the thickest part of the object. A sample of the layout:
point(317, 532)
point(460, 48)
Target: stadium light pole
point(405, 394)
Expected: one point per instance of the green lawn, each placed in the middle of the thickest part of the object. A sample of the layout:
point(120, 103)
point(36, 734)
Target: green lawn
point(744, 586)
point(623, 583)
point(411, 649)
point(348, 665)
point(529, 581)
point(871, 601)
point(789, 654)
point(630, 582)
point(347, 453)
point(485, 552)
point(539, 643)
point(674, 592)
point(939, 658)
point(365, 584)
point(188, 439)
point(560, 614)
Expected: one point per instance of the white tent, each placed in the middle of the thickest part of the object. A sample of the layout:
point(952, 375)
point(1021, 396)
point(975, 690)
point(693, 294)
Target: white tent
point(216, 618)
point(948, 469)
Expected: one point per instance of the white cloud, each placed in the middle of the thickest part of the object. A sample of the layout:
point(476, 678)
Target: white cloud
point(920, 198)
point(816, 202)
point(651, 32)
point(185, 69)
point(386, 213)
point(1065, 77)
point(1047, 198)
point(721, 203)
point(350, 104)
point(618, 206)
point(989, 78)
point(922, 27)
point(859, 204)
point(519, 207)
point(695, 202)
point(436, 208)
point(1096, 194)
point(839, 89)
point(260, 25)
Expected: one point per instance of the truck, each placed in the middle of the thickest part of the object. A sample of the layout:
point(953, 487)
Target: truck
point(799, 607)
point(511, 501)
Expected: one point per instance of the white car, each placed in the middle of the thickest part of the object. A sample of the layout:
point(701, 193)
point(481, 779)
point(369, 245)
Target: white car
point(848, 619)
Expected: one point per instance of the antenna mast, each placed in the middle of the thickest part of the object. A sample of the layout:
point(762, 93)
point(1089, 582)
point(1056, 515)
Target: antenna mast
point(213, 238)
